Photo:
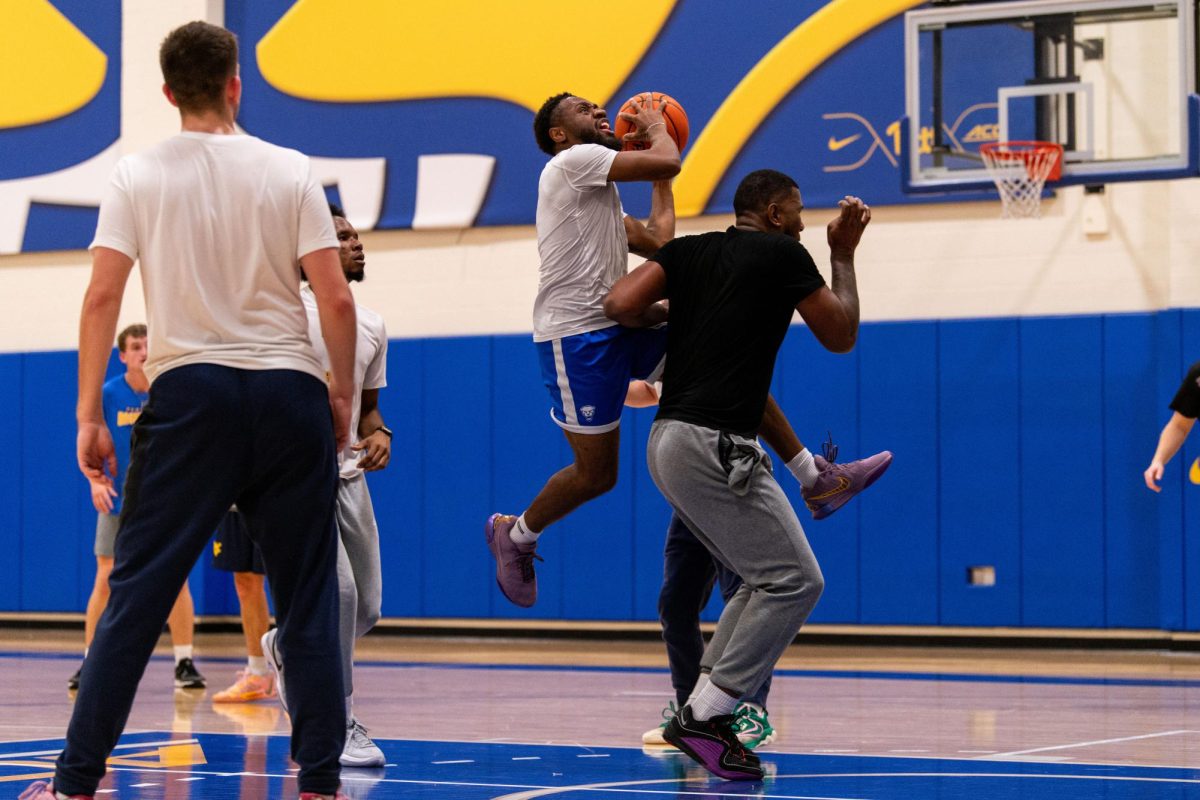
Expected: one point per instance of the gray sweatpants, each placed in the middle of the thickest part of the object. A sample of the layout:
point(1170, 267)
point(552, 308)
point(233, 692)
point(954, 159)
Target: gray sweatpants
point(359, 573)
point(722, 486)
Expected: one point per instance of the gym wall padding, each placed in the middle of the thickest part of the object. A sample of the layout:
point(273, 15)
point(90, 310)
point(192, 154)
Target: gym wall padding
point(1019, 444)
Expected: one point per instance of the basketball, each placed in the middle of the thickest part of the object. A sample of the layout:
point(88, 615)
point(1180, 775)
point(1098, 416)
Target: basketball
point(673, 115)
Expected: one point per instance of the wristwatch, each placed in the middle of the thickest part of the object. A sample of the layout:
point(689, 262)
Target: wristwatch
point(385, 430)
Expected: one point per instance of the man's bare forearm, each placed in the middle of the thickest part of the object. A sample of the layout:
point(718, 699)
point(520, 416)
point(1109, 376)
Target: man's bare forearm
point(845, 284)
point(661, 223)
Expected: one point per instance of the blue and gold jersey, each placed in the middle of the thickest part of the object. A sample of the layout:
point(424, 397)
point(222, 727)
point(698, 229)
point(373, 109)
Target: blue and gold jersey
point(122, 407)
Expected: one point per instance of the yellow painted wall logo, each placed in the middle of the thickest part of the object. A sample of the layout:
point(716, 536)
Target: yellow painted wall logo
point(48, 68)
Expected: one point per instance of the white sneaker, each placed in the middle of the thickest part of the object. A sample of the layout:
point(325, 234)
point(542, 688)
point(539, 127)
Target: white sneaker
point(275, 662)
point(654, 736)
point(359, 750)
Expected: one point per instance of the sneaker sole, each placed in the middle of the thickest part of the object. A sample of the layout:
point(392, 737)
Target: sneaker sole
point(190, 685)
point(369, 762)
point(489, 533)
point(655, 737)
point(827, 509)
point(714, 749)
point(243, 698)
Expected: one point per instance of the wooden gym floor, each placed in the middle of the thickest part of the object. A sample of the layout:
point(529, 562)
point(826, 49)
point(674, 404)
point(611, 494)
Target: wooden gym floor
point(487, 718)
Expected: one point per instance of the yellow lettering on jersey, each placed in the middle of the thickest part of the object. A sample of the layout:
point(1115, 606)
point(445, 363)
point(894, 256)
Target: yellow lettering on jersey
point(810, 44)
point(408, 51)
point(128, 416)
point(48, 68)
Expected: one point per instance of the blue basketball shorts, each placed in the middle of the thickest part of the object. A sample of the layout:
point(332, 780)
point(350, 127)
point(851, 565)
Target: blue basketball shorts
point(588, 374)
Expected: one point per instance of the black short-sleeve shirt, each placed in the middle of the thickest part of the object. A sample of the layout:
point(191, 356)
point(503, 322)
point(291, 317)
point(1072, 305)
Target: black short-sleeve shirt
point(1187, 399)
point(732, 295)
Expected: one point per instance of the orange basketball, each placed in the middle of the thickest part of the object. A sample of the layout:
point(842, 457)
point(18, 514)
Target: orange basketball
point(673, 115)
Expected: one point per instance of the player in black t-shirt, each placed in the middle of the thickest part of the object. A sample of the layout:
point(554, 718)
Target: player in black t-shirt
point(1186, 405)
point(732, 295)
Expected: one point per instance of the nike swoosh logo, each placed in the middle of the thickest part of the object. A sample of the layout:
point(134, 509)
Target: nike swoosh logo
point(837, 144)
point(843, 485)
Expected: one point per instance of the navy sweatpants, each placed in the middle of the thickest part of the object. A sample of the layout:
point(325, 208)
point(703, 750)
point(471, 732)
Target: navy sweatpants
point(689, 573)
point(209, 437)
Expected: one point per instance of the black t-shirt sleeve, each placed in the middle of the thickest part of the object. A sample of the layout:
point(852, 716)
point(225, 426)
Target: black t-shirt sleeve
point(669, 256)
point(797, 272)
point(1187, 399)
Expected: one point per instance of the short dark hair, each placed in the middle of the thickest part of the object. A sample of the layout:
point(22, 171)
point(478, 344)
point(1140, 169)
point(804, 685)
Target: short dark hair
point(132, 332)
point(197, 60)
point(759, 189)
point(336, 210)
point(543, 121)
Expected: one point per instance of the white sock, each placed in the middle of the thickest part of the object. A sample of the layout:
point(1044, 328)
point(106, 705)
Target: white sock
point(701, 682)
point(182, 651)
point(349, 709)
point(521, 534)
point(85, 652)
point(804, 468)
point(256, 665)
point(712, 702)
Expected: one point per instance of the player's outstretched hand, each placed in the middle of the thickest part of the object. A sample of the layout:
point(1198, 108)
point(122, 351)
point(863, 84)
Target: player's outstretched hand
point(1153, 475)
point(95, 453)
point(845, 231)
point(641, 119)
point(378, 451)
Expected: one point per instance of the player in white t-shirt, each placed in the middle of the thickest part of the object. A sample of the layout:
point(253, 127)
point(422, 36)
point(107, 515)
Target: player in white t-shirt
point(360, 573)
point(584, 241)
point(239, 410)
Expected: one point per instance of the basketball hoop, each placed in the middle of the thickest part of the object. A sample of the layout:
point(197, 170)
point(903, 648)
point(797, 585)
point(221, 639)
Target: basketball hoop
point(1020, 170)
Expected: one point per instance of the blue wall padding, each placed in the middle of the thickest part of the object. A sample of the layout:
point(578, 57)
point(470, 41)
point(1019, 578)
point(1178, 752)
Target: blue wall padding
point(978, 449)
point(898, 402)
point(1019, 444)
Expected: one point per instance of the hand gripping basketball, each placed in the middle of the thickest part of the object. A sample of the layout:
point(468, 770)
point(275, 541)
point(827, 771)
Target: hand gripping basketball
point(646, 109)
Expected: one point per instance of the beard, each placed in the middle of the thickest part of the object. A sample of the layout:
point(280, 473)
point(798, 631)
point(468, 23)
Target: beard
point(594, 136)
point(356, 277)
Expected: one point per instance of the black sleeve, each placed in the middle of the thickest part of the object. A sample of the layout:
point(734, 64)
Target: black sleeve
point(668, 257)
point(1187, 399)
point(798, 275)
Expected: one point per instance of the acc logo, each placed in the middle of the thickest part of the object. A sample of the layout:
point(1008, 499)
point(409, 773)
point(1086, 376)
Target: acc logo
point(983, 133)
point(588, 412)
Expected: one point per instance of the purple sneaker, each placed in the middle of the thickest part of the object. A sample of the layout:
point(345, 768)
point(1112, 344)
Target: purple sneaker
point(837, 483)
point(713, 743)
point(514, 562)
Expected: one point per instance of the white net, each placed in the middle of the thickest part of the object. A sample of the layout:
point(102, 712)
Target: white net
point(1020, 170)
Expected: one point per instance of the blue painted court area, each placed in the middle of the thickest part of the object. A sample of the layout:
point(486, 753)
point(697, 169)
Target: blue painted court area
point(210, 766)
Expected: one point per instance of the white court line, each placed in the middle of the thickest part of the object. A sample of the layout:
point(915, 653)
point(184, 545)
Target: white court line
point(187, 780)
point(6, 756)
point(526, 758)
point(1089, 744)
point(457, 761)
point(591, 755)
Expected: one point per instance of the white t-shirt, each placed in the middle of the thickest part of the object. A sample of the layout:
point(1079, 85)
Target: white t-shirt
point(370, 367)
point(581, 242)
point(219, 224)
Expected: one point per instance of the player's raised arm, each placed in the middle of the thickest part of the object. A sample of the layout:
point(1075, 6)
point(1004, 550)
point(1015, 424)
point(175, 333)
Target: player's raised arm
point(832, 313)
point(660, 161)
point(644, 240)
